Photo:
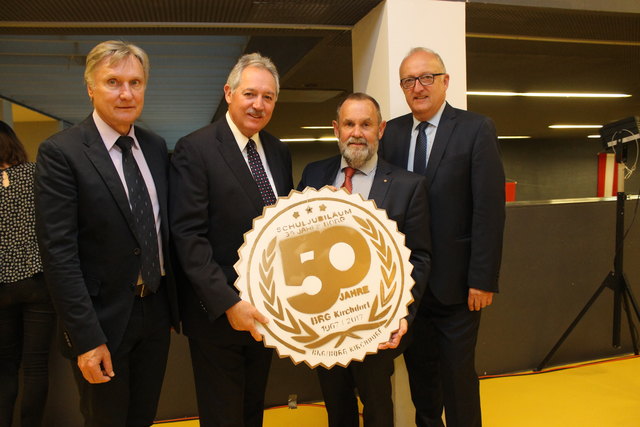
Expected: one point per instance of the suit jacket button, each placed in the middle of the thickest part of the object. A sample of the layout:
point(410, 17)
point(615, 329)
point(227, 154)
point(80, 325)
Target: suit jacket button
point(136, 251)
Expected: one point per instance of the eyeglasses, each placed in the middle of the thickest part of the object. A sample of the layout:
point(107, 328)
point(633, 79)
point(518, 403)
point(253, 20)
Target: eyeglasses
point(425, 80)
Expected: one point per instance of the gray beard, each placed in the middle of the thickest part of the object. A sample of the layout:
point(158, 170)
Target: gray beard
point(356, 158)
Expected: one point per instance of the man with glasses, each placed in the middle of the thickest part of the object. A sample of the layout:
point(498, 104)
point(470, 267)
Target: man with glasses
point(458, 153)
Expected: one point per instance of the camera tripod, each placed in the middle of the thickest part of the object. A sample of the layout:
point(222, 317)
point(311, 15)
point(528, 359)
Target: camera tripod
point(616, 280)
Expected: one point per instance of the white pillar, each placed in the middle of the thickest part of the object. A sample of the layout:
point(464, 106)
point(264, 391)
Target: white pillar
point(380, 41)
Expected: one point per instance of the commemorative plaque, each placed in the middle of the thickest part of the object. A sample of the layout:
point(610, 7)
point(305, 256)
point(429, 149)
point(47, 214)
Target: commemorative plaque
point(331, 272)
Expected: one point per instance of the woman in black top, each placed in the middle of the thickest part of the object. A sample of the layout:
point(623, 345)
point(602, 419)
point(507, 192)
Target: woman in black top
point(26, 314)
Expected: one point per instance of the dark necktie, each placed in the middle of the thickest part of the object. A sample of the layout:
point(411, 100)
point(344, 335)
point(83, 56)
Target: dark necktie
point(348, 174)
point(259, 175)
point(420, 157)
point(142, 210)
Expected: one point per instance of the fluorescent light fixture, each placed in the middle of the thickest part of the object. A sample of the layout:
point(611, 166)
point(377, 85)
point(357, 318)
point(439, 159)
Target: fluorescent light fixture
point(316, 127)
point(593, 136)
point(514, 137)
point(551, 94)
point(323, 139)
point(575, 126)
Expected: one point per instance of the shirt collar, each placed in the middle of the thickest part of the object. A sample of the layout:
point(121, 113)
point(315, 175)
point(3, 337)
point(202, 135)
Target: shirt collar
point(108, 134)
point(368, 168)
point(433, 121)
point(239, 136)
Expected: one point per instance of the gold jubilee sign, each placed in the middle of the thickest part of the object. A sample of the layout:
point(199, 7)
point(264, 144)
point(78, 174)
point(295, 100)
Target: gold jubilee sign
point(331, 272)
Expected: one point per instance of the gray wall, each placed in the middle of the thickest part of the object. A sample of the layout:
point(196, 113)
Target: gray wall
point(558, 169)
point(555, 258)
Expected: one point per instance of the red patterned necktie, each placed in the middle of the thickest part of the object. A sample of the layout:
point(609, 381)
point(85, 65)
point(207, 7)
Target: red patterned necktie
point(259, 175)
point(348, 173)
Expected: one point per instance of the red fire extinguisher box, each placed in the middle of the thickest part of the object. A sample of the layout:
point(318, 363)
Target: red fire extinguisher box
point(510, 191)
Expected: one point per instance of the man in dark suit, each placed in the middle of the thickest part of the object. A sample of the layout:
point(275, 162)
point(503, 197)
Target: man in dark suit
point(103, 232)
point(221, 178)
point(403, 195)
point(458, 153)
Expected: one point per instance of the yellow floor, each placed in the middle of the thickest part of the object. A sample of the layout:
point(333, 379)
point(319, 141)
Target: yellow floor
point(600, 395)
point(604, 394)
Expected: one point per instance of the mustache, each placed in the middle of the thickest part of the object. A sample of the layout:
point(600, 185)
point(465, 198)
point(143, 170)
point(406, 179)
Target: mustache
point(255, 112)
point(354, 140)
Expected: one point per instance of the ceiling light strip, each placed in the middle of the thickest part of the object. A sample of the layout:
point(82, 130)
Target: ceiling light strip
point(550, 94)
point(575, 126)
point(552, 39)
point(323, 139)
point(188, 25)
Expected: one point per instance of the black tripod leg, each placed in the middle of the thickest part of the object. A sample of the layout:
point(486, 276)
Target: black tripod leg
point(628, 297)
point(634, 339)
point(627, 288)
point(564, 336)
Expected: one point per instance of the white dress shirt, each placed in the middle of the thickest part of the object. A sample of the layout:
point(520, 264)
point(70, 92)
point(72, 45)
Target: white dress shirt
point(430, 132)
point(242, 144)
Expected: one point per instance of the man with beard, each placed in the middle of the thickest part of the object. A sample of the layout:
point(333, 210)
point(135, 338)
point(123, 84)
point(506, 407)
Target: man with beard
point(358, 127)
point(221, 178)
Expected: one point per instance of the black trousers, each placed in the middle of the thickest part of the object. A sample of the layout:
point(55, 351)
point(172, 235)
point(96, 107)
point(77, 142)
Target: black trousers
point(441, 365)
point(27, 321)
point(131, 397)
point(230, 380)
point(372, 379)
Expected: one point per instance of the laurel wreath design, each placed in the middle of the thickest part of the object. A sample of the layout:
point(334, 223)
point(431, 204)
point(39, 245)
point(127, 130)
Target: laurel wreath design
point(302, 332)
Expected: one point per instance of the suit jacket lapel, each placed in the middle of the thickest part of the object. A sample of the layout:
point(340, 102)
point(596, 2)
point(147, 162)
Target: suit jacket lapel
point(233, 157)
point(381, 183)
point(405, 137)
point(99, 156)
point(330, 173)
point(276, 166)
point(445, 128)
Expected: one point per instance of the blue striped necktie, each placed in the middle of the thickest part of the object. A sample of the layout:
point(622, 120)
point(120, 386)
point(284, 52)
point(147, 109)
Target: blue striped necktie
point(420, 157)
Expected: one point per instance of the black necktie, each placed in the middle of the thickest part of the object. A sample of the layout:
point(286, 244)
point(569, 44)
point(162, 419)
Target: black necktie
point(420, 157)
point(259, 175)
point(142, 210)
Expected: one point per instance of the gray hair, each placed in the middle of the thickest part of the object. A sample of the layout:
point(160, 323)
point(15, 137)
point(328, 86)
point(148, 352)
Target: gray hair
point(427, 50)
point(252, 60)
point(360, 96)
point(116, 51)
